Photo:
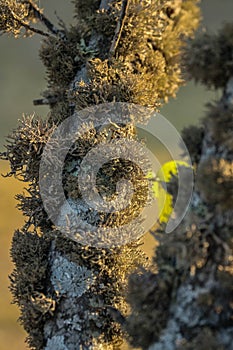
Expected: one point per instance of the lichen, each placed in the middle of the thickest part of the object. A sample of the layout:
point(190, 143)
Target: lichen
point(56, 342)
point(115, 51)
point(69, 278)
point(194, 263)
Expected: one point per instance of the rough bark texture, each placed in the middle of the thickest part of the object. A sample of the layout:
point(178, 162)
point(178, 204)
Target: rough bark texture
point(118, 51)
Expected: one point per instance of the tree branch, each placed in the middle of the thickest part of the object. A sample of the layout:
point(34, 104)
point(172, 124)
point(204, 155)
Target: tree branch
point(27, 26)
point(119, 28)
point(41, 17)
point(45, 101)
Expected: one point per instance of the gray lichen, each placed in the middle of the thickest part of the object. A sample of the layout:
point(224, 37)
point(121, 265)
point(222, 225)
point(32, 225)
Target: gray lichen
point(169, 337)
point(69, 278)
point(194, 264)
point(117, 51)
point(56, 343)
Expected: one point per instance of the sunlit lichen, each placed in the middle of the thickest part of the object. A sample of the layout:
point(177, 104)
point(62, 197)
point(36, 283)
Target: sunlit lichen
point(116, 51)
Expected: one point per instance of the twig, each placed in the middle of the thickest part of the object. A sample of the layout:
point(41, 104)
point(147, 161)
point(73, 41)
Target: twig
point(119, 28)
point(116, 315)
point(27, 26)
point(61, 23)
point(45, 101)
point(39, 15)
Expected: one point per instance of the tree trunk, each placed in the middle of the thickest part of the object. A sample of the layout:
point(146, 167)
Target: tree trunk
point(118, 51)
point(189, 300)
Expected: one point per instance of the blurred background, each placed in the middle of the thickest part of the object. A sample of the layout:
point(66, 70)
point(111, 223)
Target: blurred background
point(22, 79)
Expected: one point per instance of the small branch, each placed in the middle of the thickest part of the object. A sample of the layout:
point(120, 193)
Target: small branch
point(41, 102)
point(116, 315)
point(27, 26)
point(41, 17)
point(119, 27)
point(45, 101)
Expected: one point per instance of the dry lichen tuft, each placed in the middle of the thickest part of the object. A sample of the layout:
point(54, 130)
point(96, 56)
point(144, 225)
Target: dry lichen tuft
point(25, 146)
point(13, 14)
point(58, 56)
point(116, 51)
point(145, 71)
point(29, 253)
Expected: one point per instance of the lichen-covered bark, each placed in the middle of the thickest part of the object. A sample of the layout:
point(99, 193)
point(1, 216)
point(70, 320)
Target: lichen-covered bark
point(117, 51)
point(188, 304)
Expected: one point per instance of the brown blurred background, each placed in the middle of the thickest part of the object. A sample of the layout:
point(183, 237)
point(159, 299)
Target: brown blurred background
point(22, 79)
